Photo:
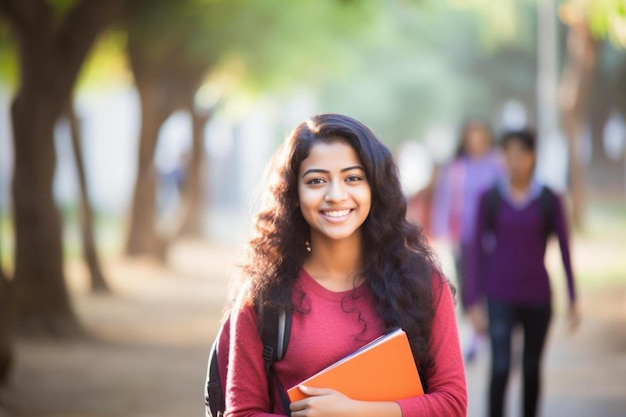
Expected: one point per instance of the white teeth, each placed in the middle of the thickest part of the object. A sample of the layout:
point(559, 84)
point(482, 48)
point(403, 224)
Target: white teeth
point(337, 213)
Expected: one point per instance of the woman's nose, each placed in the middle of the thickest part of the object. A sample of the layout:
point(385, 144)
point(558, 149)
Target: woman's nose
point(336, 192)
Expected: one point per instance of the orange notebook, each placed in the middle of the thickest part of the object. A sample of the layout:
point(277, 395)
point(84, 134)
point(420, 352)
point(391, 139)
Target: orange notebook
point(382, 370)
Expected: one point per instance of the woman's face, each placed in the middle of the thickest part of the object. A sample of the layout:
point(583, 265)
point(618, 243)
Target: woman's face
point(520, 161)
point(334, 194)
point(477, 141)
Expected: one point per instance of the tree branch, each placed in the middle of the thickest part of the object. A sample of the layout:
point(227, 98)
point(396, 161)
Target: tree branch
point(79, 30)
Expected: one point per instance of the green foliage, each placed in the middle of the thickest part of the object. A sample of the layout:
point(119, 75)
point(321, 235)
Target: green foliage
point(304, 41)
point(106, 64)
point(500, 23)
point(9, 71)
point(270, 42)
point(607, 19)
point(6, 242)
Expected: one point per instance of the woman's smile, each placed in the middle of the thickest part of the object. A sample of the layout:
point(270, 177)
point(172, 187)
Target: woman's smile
point(336, 214)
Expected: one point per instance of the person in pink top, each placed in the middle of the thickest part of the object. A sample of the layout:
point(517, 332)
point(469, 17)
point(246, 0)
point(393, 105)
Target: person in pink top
point(333, 246)
point(476, 166)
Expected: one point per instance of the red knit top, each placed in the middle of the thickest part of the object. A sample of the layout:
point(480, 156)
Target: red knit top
point(334, 325)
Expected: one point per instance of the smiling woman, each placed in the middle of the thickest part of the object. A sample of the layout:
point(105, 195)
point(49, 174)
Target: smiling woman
point(334, 249)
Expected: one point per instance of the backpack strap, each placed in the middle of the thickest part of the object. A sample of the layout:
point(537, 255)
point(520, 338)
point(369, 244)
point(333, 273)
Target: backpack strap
point(546, 203)
point(284, 331)
point(274, 329)
point(214, 394)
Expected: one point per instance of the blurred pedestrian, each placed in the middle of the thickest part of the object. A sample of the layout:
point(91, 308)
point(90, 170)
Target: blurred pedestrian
point(506, 269)
point(419, 209)
point(475, 167)
point(333, 246)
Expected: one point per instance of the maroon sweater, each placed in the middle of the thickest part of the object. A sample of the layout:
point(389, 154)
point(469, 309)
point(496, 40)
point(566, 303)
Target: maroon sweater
point(336, 324)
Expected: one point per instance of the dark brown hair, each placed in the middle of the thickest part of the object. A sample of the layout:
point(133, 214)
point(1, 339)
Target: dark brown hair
point(524, 137)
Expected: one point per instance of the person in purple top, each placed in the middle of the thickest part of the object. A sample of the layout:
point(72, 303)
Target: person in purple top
point(506, 269)
point(475, 167)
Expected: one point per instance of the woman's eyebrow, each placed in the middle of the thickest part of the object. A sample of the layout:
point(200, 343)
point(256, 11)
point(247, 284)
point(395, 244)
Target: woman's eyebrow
point(353, 167)
point(325, 171)
point(315, 170)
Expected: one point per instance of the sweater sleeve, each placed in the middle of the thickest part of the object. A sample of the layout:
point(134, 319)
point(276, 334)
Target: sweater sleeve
point(447, 391)
point(562, 234)
point(474, 286)
point(246, 386)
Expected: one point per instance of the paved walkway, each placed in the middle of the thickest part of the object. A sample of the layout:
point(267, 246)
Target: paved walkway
point(154, 335)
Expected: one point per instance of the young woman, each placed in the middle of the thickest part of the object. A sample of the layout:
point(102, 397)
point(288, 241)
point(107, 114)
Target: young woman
point(477, 164)
point(334, 246)
point(507, 268)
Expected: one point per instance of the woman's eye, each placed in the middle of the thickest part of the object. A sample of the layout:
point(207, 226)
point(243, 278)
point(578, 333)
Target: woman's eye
point(353, 178)
point(315, 181)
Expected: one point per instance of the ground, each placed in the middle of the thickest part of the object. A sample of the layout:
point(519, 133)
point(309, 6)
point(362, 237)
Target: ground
point(147, 355)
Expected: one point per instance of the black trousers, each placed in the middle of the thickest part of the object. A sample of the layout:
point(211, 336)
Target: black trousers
point(503, 318)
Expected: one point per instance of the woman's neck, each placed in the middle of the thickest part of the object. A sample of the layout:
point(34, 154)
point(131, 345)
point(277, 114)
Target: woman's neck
point(335, 264)
point(519, 187)
point(476, 156)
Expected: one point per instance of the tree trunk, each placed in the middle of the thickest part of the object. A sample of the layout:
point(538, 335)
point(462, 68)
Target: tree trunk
point(166, 75)
point(143, 238)
point(6, 339)
point(165, 83)
point(574, 92)
point(51, 53)
point(97, 281)
point(6, 315)
point(606, 173)
point(191, 210)
point(3, 275)
point(42, 299)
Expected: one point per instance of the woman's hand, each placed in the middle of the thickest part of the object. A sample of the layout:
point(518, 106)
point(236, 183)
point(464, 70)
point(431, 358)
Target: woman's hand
point(478, 317)
point(573, 317)
point(325, 402)
point(322, 402)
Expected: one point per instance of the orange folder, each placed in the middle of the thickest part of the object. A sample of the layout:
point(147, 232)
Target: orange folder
point(382, 370)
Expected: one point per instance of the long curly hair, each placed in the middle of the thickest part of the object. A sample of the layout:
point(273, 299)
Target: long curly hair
point(398, 266)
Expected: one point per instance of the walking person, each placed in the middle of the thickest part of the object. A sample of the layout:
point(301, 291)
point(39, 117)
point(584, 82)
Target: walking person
point(476, 166)
point(333, 246)
point(514, 221)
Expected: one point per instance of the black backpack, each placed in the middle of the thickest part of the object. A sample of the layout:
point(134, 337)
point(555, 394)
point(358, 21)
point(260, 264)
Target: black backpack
point(274, 330)
point(546, 205)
